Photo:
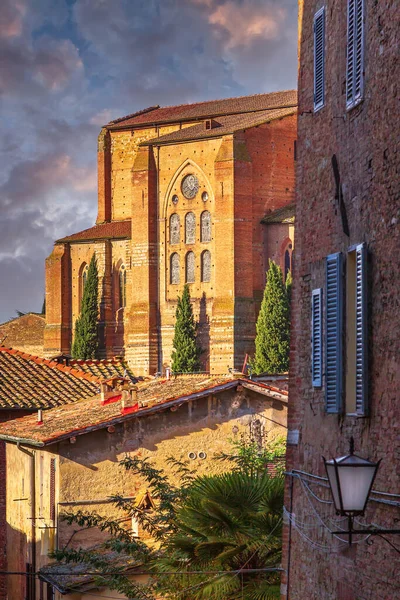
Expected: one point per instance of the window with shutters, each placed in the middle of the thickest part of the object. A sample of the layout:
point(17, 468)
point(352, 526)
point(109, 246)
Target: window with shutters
point(206, 266)
point(205, 226)
point(319, 59)
point(316, 337)
point(174, 229)
point(175, 269)
point(190, 267)
point(333, 333)
point(355, 52)
point(190, 228)
point(356, 331)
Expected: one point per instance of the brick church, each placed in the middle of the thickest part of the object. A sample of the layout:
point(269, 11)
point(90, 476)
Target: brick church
point(199, 193)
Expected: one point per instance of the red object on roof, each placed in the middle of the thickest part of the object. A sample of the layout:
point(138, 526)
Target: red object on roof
point(113, 230)
point(209, 108)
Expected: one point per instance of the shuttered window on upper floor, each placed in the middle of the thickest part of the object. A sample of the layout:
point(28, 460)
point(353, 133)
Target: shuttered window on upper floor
point(319, 59)
point(355, 52)
point(316, 337)
point(356, 331)
point(333, 333)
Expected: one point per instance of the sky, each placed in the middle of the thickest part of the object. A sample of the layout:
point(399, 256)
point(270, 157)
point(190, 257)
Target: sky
point(70, 66)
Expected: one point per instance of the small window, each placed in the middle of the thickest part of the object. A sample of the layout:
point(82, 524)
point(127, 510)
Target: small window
point(190, 228)
point(175, 269)
point(355, 52)
point(319, 59)
point(174, 229)
point(190, 267)
point(206, 266)
point(205, 226)
point(122, 286)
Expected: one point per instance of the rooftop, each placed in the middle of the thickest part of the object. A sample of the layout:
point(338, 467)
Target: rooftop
point(152, 396)
point(115, 230)
point(29, 382)
point(222, 126)
point(210, 108)
point(24, 332)
point(286, 214)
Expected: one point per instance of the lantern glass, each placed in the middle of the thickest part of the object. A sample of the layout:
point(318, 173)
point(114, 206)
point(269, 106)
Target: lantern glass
point(351, 478)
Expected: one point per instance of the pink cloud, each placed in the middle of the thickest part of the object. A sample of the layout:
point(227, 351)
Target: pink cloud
point(56, 62)
point(11, 19)
point(244, 23)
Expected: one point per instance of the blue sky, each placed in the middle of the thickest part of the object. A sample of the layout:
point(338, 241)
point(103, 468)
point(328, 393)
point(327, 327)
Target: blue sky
point(70, 66)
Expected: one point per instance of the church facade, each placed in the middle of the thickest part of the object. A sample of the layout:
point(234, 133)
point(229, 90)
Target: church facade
point(186, 194)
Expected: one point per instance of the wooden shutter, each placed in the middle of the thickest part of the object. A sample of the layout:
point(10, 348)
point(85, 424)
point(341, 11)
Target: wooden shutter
point(319, 59)
point(53, 489)
point(316, 337)
point(355, 52)
point(361, 330)
point(334, 333)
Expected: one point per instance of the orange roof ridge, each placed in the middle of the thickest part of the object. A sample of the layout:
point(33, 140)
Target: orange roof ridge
point(206, 102)
point(51, 363)
point(135, 114)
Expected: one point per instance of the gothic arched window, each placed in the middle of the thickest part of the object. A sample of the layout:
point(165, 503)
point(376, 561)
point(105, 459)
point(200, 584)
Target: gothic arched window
point(287, 260)
point(83, 274)
point(122, 286)
point(206, 266)
point(190, 267)
point(174, 229)
point(175, 275)
point(190, 228)
point(205, 226)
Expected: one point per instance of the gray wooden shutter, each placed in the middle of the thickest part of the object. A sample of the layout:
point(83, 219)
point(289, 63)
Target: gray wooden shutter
point(355, 52)
point(334, 333)
point(319, 59)
point(316, 337)
point(361, 330)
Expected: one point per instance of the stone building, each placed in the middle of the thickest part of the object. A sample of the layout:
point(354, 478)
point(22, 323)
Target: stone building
point(345, 373)
point(25, 333)
point(182, 191)
point(70, 462)
point(28, 384)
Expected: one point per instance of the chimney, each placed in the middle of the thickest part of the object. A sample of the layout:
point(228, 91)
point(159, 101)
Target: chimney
point(168, 372)
point(40, 417)
point(129, 399)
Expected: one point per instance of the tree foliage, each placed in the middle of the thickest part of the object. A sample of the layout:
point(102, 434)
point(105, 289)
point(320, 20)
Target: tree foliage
point(186, 353)
point(85, 344)
point(201, 524)
point(273, 326)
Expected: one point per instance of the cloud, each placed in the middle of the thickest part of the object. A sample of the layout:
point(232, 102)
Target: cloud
point(246, 23)
point(69, 67)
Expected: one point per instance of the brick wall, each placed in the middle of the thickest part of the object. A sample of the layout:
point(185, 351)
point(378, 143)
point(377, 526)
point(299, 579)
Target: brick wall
point(366, 141)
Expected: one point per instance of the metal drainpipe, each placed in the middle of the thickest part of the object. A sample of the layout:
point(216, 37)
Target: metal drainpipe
point(289, 540)
point(33, 515)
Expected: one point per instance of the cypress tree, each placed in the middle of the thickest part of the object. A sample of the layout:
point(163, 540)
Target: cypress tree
point(273, 326)
point(186, 353)
point(85, 344)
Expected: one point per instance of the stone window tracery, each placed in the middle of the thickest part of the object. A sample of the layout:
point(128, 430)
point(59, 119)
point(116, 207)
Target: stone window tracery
point(206, 266)
point(175, 275)
point(190, 267)
point(174, 229)
point(205, 226)
point(122, 286)
point(190, 228)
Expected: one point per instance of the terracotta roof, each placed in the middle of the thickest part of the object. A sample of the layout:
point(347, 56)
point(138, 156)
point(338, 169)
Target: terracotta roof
point(104, 369)
point(91, 414)
point(114, 230)
point(281, 215)
point(30, 382)
point(224, 126)
point(209, 108)
point(70, 577)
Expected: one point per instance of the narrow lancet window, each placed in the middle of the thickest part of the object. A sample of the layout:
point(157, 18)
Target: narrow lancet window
point(205, 220)
point(175, 276)
point(190, 228)
point(206, 266)
point(190, 267)
point(174, 229)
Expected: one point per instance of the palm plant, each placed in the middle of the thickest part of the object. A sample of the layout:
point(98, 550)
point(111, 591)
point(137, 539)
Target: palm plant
point(229, 524)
